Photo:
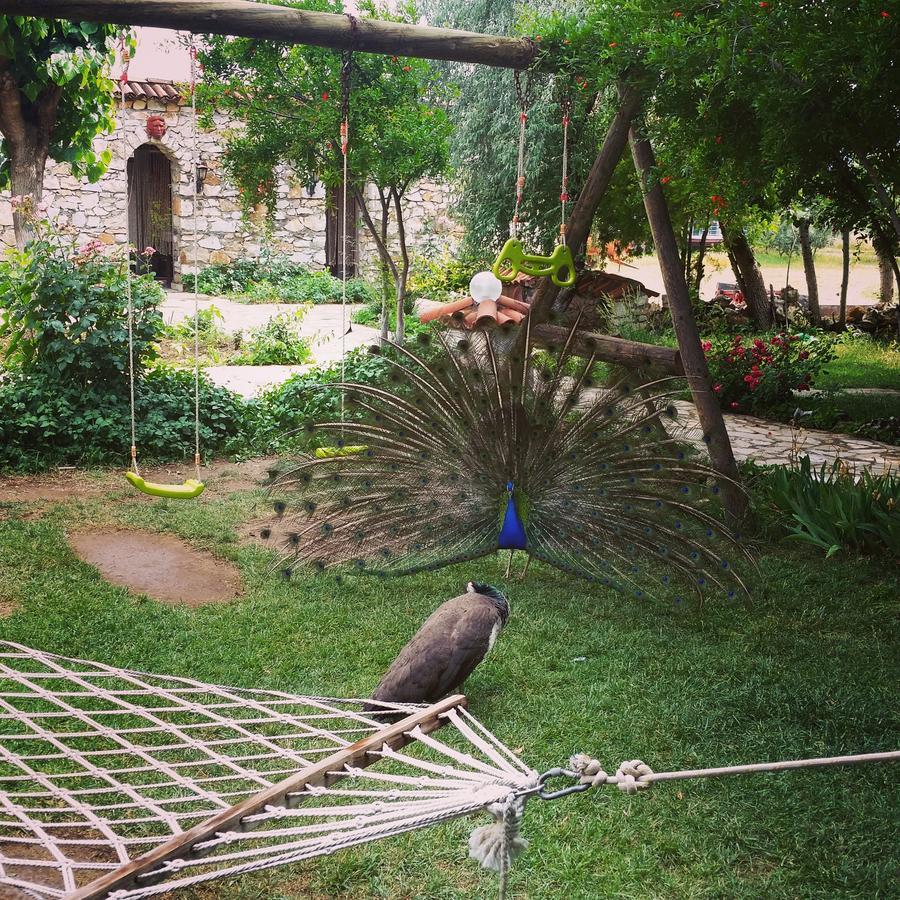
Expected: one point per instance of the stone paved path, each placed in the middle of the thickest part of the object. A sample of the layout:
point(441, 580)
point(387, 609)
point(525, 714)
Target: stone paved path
point(774, 443)
point(323, 325)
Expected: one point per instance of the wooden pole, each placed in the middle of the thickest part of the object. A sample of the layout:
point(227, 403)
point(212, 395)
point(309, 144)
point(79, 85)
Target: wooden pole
point(322, 773)
point(290, 26)
point(620, 351)
point(692, 358)
point(595, 187)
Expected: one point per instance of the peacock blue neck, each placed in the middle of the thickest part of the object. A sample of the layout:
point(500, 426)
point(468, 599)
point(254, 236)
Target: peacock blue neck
point(512, 533)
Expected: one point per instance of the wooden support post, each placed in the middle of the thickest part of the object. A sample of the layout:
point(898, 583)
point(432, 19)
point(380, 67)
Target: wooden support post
point(323, 773)
point(288, 25)
point(712, 422)
point(595, 187)
point(619, 351)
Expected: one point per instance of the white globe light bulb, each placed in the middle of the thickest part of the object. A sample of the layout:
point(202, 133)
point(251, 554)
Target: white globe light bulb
point(485, 286)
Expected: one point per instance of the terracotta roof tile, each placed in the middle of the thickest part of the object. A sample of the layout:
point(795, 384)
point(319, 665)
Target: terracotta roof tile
point(153, 88)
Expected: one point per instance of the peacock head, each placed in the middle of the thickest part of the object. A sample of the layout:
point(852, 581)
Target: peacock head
point(488, 590)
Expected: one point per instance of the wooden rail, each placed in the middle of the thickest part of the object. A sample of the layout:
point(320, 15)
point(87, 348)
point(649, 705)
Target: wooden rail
point(288, 25)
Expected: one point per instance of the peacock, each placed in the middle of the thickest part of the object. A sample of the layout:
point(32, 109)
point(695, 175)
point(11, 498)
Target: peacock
point(476, 443)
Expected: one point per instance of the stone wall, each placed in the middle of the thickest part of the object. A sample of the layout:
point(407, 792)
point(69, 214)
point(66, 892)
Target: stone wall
point(100, 211)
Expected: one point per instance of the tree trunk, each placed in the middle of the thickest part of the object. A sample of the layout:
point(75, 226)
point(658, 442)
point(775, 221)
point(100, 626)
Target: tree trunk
point(886, 271)
point(845, 277)
point(26, 172)
point(809, 270)
point(701, 253)
point(380, 236)
point(399, 334)
point(749, 275)
point(692, 357)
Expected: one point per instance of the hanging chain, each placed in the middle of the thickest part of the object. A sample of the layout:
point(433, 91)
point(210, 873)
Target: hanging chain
point(194, 235)
point(522, 97)
point(123, 83)
point(564, 193)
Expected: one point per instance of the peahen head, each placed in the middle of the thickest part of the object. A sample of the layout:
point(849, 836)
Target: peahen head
point(488, 590)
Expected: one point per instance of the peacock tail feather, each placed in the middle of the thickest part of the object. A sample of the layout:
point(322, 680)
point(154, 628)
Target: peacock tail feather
point(469, 448)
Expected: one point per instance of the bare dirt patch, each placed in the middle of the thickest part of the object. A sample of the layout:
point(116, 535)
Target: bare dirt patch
point(158, 565)
point(221, 477)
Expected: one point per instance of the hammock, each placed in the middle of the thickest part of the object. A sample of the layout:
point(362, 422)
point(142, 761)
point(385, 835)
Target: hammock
point(123, 784)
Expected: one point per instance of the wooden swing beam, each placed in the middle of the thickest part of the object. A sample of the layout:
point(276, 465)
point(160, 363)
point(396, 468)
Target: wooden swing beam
point(287, 25)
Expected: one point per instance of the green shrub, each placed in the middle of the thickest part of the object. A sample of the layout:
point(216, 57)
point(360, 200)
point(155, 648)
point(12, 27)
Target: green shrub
point(834, 509)
point(212, 340)
point(44, 423)
point(63, 312)
point(275, 344)
point(443, 278)
point(280, 415)
point(752, 375)
point(237, 277)
point(272, 279)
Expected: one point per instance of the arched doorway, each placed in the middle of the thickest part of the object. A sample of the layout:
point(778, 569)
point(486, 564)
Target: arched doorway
point(150, 210)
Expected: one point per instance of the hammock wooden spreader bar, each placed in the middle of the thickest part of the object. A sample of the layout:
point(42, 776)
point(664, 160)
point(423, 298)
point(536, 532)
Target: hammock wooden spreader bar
point(322, 774)
point(288, 25)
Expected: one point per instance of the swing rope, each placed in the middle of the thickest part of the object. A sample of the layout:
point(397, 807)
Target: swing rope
point(564, 193)
point(346, 70)
point(192, 487)
point(196, 161)
point(521, 95)
point(123, 81)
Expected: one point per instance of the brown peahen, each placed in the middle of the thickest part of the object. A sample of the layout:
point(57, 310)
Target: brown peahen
point(470, 448)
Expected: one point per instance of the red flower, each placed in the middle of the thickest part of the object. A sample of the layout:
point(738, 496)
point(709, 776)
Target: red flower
point(613, 43)
point(735, 404)
point(717, 388)
point(718, 138)
point(885, 14)
point(707, 346)
point(324, 95)
point(676, 14)
point(763, 4)
point(666, 179)
point(803, 354)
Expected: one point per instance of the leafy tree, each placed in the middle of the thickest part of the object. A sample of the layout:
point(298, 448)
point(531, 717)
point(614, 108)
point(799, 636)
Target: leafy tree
point(55, 98)
point(289, 99)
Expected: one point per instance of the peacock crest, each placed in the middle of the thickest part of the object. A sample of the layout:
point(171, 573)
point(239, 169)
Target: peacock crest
point(472, 446)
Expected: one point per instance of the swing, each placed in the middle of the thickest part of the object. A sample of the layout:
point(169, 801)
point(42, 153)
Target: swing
point(192, 487)
point(346, 64)
point(513, 259)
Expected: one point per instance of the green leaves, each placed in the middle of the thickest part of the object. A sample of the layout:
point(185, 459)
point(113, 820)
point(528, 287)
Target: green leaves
point(43, 54)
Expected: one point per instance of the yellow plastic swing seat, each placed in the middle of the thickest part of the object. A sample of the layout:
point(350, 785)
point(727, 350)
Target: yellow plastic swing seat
point(332, 452)
point(187, 491)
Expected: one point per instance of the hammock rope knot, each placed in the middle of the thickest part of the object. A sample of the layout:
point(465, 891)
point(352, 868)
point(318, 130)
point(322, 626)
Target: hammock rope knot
point(632, 776)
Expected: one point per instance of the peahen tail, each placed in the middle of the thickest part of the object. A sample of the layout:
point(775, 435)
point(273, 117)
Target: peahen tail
point(467, 450)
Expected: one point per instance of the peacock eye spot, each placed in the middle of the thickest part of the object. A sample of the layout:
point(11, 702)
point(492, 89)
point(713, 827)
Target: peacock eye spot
point(310, 506)
point(265, 533)
point(280, 506)
point(286, 574)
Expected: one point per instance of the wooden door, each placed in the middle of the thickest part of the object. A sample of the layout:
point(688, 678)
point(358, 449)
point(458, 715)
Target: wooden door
point(150, 210)
point(334, 222)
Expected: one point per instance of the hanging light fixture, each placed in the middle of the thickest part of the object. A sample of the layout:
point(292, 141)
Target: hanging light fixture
point(200, 175)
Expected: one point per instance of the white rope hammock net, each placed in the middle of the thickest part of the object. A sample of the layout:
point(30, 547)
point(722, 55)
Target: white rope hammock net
point(100, 766)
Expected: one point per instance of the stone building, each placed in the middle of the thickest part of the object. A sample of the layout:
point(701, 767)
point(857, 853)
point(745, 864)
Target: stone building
point(146, 197)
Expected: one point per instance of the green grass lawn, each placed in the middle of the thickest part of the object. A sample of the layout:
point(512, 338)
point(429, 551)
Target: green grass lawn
point(810, 669)
point(862, 364)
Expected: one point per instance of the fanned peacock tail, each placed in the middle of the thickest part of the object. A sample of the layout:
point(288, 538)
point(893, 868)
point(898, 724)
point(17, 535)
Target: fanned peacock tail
point(467, 450)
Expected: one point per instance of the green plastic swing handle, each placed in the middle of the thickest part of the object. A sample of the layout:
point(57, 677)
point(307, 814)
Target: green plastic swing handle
point(187, 491)
point(513, 259)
